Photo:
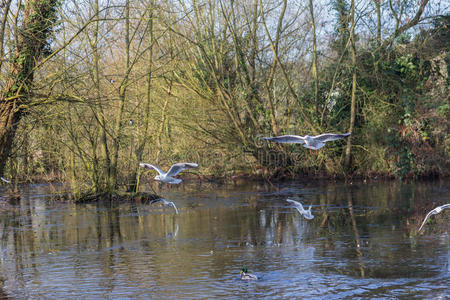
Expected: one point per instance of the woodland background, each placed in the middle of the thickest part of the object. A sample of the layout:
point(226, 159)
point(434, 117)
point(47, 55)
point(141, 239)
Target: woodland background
point(91, 88)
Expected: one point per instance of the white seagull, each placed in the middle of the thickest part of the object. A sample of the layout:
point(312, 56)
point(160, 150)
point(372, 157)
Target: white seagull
point(165, 202)
point(310, 142)
point(306, 213)
point(434, 212)
point(173, 171)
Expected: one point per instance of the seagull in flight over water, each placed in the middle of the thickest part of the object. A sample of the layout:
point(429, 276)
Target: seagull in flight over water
point(173, 171)
point(306, 213)
point(310, 142)
point(434, 212)
point(165, 202)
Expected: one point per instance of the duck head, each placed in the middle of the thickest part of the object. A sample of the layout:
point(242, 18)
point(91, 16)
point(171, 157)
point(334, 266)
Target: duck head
point(246, 276)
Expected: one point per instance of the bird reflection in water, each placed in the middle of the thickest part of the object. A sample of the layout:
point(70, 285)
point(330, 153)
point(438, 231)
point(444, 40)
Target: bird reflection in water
point(165, 202)
point(305, 213)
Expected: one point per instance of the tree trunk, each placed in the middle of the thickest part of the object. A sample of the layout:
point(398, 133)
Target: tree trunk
point(343, 23)
point(7, 5)
point(269, 85)
point(140, 149)
point(101, 119)
point(122, 97)
point(353, 100)
point(378, 7)
point(162, 123)
point(38, 18)
point(9, 118)
point(97, 183)
point(314, 59)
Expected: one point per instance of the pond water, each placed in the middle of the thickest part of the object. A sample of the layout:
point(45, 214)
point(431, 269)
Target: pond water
point(362, 243)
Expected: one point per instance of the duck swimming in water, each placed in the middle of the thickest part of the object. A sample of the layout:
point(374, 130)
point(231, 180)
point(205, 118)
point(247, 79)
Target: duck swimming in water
point(247, 276)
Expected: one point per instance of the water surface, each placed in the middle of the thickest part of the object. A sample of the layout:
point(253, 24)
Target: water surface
point(362, 243)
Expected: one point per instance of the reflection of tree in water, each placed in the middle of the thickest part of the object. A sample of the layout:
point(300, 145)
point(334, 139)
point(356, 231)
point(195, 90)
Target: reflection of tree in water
point(3, 294)
point(403, 205)
point(355, 233)
point(37, 229)
point(354, 230)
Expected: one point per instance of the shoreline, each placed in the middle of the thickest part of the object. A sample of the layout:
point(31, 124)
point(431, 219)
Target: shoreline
point(13, 195)
point(256, 177)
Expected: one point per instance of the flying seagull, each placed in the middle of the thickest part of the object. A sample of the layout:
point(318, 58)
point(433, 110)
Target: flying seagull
point(165, 202)
point(306, 213)
point(310, 142)
point(434, 212)
point(4, 180)
point(173, 171)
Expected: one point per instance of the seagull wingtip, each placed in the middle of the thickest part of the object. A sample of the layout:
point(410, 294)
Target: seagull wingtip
point(190, 165)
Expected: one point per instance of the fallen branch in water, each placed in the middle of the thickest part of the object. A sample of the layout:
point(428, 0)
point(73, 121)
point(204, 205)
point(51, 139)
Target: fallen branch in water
point(116, 196)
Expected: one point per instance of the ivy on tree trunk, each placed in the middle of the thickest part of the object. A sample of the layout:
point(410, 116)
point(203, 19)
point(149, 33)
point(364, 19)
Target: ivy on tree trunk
point(32, 42)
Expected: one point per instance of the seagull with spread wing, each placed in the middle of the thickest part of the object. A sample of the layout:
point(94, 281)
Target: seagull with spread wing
point(434, 212)
point(310, 142)
point(173, 171)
